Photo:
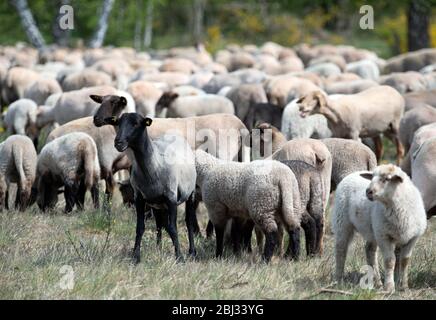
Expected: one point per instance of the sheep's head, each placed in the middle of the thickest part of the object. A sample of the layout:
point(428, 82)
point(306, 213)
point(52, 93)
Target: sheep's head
point(311, 103)
point(131, 126)
point(165, 101)
point(110, 106)
point(384, 181)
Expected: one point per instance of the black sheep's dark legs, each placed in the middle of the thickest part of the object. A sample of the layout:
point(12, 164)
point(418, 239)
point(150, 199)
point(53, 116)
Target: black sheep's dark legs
point(309, 226)
point(95, 196)
point(70, 196)
point(140, 227)
point(209, 229)
point(270, 244)
point(293, 250)
point(191, 221)
point(319, 222)
point(172, 229)
point(219, 234)
point(197, 231)
point(160, 217)
point(81, 196)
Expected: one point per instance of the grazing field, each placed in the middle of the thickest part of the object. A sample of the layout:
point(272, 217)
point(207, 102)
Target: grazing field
point(35, 246)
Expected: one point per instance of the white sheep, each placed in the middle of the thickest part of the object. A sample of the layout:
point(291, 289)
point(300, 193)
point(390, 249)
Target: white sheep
point(20, 116)
point(264, 191)
point(388, 212)
point(294, 126)
point(71, 161)
point(17, 165)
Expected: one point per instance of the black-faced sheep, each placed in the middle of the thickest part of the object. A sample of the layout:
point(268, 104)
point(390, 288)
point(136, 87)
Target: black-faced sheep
point(387, 211)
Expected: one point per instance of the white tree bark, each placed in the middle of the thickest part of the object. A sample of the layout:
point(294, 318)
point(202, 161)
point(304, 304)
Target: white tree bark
point(29, 25)
point(148, 32)
point(103, 22)
point(138, 25)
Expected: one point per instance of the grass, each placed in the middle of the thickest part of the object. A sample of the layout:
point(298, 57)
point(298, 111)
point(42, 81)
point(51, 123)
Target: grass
point(34, 248)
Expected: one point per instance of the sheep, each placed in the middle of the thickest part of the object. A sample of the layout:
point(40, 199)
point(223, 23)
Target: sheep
point(146, 95)
point(244, 97)
point(336, 59)
point(41, 90)
point(348, 156)
point(264, 191)
point(284, 88)
point(190, 106)
point(178, 65)
point(17, 80)
point(20, 118)
point(187, 90)
point(173, 79)
point(405, 81)
point(234, 79)
point(419, 137)
point(369, 113)
point(85, 78)
point(349, 87)
point(294, 126)
point(201, 131)
point(70, 161)
point(388, 212)
point(270, 138)
point(410, 61)
point(324, 69)
point(417, 99)
point(17, 165)
point(163, 176)
point(424, 173)
point(263, 112)
point(366, 69)
point(412, 121)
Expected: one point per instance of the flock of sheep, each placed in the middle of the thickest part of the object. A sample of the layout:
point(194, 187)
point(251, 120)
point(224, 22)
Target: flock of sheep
point(262, 135)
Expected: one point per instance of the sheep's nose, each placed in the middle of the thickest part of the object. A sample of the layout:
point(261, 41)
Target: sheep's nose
point(369, 194)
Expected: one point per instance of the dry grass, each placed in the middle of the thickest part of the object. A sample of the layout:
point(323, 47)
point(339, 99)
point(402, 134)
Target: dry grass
point(34, 247)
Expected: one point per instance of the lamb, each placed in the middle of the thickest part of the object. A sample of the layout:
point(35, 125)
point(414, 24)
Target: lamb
point(146, 95)
point(348, 156)
point(17, 165)
point(366, 69)
point(412, 121)
point(388, 212)
point(294, 126)
point(420, 136)
point(20, 118)
point(163, 176)
point(366, 114)
point(70, 161)
point(17, 80)
point(191, 106)
point(264, 191)
point(424, 174)
point(41, 90)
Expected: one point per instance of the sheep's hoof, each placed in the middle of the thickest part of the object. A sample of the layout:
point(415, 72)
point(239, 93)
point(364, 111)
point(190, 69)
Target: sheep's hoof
point(192, 253)
point(180, 259)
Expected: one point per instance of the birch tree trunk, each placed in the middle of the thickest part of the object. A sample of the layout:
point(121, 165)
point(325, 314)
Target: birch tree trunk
point(28, 23)
point(103, 22)
point(148, 32)
point(418, 24)
point(199, 6)
point(61, 36)
point(138, 25)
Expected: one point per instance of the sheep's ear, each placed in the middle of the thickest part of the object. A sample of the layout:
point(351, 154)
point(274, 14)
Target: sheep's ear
point(321, 100)
point(111, 120)
point(96, 98)
point(396, 178)
point(319, 161)
point(174, 96)
point(148, 122)
point(123, 101)
point(366, 176)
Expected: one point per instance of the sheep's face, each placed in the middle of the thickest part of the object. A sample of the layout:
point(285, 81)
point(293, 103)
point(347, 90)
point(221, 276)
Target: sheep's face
point(131, 127)
point(311, 104)
point(384, 181)
point(165, 101)
point(110, 106)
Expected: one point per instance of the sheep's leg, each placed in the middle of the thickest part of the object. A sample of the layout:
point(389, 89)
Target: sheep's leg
point(247, 231)
point(319, 236)
point(236, 235)
point(371, 260)
point(405, 254)
point(95, 196)
point(259, 238)
point(70, 196)
point(24, 198)
point(270, 243)
point(160, 217)
point(279, 239)
point(17, 203)
point(140, 226)
point(378, 148)
point(110, 187)
point(293, 251)
point(388, 250)
point(343, 239)
point(310, 231)
point(4, 196)
point(219, 234)
point(190, 219)
point(400, 149)
point(197, 231)
point(209, 229)
point(80, 198)
point(172, 229)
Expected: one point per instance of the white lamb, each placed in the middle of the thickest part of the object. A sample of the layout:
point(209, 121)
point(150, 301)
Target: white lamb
point(388, 212)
